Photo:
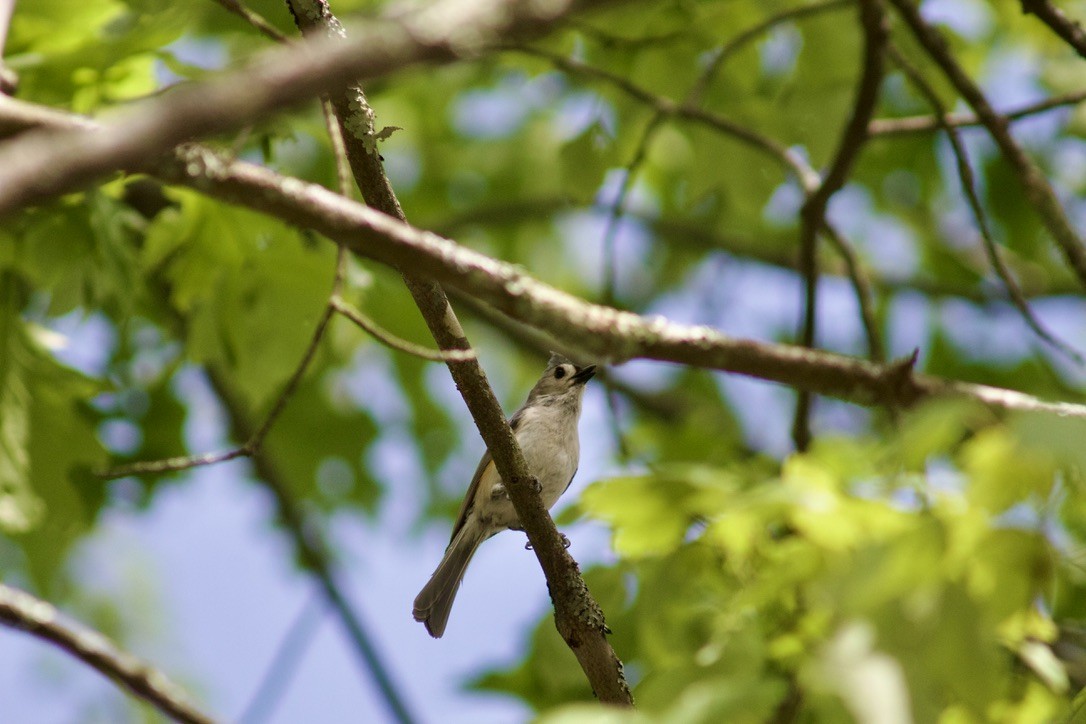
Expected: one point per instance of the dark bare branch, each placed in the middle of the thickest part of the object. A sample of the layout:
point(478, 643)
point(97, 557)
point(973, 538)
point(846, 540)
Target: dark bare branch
point(969, 190)
point(253, 18)
point(813, 212)
point(1039, 192)
point(1069, 30)
point(19, 610)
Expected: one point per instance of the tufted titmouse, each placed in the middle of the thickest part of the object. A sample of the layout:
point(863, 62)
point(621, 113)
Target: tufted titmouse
point(546, 429)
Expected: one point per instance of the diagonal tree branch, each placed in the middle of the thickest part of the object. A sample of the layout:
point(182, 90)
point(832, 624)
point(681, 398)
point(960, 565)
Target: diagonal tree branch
point(19, 610)
point(30, 171)
point(9, 81)
point(1069, 30)
point(969, 190)
point(578, 617)
point(253, 18)
point(813, 212)
point(608, 333)
point(1039, 192)
point(393, 342)
point(314, 553)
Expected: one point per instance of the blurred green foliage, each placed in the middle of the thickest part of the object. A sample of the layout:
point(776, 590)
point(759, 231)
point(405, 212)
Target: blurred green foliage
point(922, 565)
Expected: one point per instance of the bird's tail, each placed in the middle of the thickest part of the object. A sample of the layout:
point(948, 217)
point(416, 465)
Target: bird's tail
point(435, 600)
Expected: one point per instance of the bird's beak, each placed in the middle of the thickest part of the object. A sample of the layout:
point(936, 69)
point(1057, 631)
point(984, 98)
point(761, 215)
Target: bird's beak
point(584, 374)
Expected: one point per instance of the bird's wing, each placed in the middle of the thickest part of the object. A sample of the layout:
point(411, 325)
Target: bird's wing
point(482, 469)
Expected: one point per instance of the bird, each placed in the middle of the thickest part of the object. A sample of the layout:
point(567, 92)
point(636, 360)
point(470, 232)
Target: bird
point(546, 430)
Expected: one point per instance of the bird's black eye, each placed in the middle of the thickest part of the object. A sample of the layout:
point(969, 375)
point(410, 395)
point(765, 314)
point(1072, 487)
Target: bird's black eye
point(559, 372)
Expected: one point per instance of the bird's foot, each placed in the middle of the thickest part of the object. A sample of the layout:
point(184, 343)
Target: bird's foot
point(565, 542)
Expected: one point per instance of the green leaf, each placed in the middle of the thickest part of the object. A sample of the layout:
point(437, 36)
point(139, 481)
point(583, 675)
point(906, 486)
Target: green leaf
point(48, 446)
point(1002, 473)
point(584, 161)
point(20, 509)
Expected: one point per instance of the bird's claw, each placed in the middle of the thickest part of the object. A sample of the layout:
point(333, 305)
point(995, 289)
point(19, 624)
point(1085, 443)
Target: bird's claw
point(565, 542)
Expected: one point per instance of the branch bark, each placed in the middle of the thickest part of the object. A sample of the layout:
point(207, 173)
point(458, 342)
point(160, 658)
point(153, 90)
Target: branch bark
point(1069, 30)
point(9, 81)
point(813, 212)
point(608, 333)
point(1039, 192)
point(19, 610)
point(48, 164)
point(578, 616)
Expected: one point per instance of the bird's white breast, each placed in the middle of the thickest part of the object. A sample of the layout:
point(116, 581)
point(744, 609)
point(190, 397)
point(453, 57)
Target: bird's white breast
point(548, 437)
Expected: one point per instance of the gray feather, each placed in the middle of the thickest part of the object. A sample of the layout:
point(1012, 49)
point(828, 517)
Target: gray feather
point(435, 600)
point(546, 429)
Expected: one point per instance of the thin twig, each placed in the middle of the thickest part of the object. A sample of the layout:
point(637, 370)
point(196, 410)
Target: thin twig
point(1039, 192)
point(402, 345)
point(969, 190)
point(813, 212)
point(927, 124)
point(731, 47)
point(863, 290)
point(291, 386)
point(255, 19)
point(617, 208)
point(616, 211)
point(1069, 30)
point(786, 157)
point(19, 610)
point(173, 465)
point(254, 442)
